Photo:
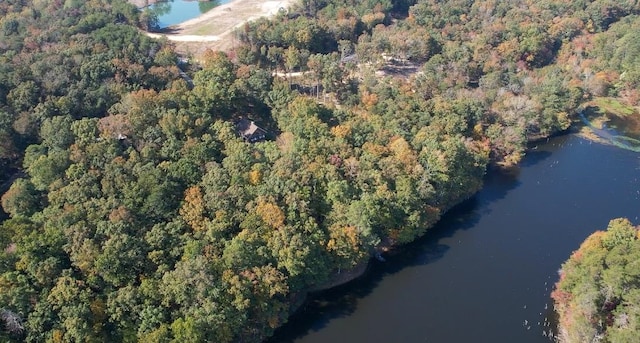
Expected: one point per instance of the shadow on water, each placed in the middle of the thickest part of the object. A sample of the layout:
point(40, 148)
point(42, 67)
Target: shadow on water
point(534, 156)
point(323, 307)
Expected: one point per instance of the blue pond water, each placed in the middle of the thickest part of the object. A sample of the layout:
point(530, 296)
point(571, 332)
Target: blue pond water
point(174, 12)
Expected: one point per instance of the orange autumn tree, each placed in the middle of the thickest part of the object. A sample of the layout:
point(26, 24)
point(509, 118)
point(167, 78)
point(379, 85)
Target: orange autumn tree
point(193, 210)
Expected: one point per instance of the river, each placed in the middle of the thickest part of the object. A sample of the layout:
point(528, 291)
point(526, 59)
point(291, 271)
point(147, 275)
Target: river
point(485, 272)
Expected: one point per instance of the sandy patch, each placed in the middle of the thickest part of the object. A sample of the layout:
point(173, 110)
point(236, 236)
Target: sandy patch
point(588, 134)
point(184, 38)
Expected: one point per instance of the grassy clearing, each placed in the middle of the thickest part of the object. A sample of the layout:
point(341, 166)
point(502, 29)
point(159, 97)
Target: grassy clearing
point(612, 114)
point(613, 106)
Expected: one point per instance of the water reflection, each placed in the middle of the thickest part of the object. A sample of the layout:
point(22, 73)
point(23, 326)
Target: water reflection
point(341, 302)
point(172, 12)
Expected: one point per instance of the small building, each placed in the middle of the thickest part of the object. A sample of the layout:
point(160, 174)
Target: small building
point(249, 131)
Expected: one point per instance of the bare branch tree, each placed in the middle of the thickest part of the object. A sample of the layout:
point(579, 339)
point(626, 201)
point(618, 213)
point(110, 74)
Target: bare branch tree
point(11, 321)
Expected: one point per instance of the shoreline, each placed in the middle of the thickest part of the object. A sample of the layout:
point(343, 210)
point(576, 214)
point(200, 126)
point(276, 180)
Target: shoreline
point(267, 8)
point(213, 29)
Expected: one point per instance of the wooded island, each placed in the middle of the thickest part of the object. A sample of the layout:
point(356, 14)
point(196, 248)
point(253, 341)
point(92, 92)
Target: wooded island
point(598, 293)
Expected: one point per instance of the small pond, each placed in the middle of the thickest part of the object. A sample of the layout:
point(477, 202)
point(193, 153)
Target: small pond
point(174, 12)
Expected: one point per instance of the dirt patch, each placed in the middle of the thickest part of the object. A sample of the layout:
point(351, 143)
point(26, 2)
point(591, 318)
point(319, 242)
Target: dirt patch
point(142, 3)
point(214, 29)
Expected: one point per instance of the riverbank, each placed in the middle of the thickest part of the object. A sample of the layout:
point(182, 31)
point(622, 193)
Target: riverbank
point(214, 29)
point(490, 264)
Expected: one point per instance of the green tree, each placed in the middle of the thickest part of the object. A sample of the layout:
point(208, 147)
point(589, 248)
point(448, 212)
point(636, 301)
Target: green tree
point(21, 199)
point(56, 132)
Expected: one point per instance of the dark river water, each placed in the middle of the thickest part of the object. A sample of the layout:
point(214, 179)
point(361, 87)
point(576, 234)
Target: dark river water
point(485, 272)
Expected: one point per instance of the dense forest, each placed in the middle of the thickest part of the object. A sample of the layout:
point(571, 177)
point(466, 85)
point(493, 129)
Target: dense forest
point(139, 212)
point(598, 295)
